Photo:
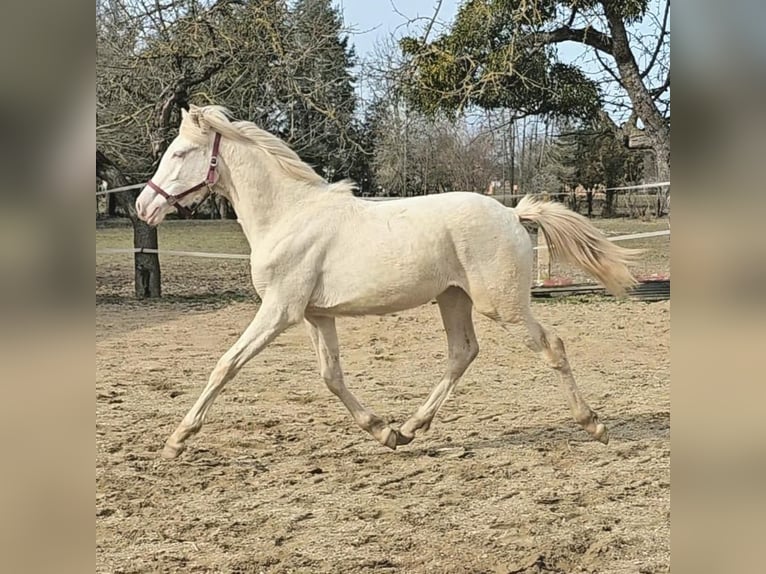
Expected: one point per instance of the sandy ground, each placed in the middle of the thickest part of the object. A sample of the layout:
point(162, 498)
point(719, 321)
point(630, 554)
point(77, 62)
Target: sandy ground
point(280, 480)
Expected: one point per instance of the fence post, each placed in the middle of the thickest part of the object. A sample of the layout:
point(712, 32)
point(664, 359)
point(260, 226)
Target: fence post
point(543, 257)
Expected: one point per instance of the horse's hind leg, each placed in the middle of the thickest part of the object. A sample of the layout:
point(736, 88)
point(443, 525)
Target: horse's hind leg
point(552, 349)
point(455, 307)
point(325, 340)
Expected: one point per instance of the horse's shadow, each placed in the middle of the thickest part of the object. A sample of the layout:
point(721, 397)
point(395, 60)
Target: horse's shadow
point(627, 428)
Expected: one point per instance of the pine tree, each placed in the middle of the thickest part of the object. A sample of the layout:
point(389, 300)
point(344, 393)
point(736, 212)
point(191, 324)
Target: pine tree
point(321, 112)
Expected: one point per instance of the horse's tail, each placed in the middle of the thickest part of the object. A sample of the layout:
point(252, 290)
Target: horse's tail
point(572, 237)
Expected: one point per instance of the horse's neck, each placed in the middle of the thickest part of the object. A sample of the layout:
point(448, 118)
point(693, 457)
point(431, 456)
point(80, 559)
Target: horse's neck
point(262, 198)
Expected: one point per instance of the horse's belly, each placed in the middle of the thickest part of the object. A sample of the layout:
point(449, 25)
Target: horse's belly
point(371, 307)
point(375, 299)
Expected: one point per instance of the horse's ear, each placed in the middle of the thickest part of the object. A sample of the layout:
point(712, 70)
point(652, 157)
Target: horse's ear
point(195, 115)
point(184, 115)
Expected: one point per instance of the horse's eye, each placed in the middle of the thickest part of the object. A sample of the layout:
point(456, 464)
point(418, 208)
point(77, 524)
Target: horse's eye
point(179, 154)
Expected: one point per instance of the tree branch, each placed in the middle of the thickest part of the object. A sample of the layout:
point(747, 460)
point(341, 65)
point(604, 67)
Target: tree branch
point(572, 17)
point(588, 36)
point(609, 70)
point(431, 23)
point(660, 41)
point(658, 91)
point(208, 73)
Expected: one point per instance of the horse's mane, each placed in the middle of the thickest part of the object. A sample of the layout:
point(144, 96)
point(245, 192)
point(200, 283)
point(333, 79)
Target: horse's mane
point(217, 119)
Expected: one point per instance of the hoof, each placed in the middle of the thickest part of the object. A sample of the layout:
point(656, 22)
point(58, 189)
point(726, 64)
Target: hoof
point(601, 434)
point(388, 437)
point(403, 438)
point(171, 451)
point(393, 438)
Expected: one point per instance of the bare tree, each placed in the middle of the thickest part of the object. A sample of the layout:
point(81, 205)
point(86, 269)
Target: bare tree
point(154, 57)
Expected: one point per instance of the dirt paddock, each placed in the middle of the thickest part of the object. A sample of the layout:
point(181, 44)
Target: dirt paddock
point(281, 480)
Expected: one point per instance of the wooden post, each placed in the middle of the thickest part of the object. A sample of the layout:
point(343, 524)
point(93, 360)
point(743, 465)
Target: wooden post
point(543, 257)
point(147, 278)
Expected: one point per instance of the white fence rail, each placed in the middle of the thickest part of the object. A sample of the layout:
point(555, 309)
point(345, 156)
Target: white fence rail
point(623, 188)
point(111, 251)
point(119, 189)
point(206, 254)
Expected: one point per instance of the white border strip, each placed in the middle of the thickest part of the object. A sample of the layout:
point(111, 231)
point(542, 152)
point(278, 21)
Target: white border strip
point(627, 237)
point(501, 195)
point(640, 235)
point(111, 251)
point(624, 188)
point(642, 186)
point(170, 252)
point(119, 189)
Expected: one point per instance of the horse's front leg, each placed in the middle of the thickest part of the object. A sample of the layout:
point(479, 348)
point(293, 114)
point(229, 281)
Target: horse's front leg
point(325, 340)
point(272, 318)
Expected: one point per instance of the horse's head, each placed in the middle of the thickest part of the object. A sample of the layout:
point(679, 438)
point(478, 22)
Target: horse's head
point(186, 173)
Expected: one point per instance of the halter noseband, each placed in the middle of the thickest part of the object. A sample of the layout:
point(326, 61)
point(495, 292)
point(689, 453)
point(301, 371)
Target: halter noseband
point(209, 182)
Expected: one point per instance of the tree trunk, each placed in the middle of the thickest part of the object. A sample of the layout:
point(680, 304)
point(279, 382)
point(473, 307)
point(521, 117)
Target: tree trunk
point(111, 205)
point(512, 152)
point(643, 104)
point(522, 166)
point(147, 265)
point(662, 157)
point(224, 208)
point(148, 278)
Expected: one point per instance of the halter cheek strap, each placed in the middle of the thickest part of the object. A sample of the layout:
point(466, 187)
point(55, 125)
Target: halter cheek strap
point(210, 180)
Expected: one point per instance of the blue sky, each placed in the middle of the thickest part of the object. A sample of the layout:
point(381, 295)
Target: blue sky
point(373, 19)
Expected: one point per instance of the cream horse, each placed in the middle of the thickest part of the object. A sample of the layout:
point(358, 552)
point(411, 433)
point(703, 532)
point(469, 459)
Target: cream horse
point(318, 252)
